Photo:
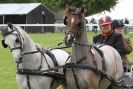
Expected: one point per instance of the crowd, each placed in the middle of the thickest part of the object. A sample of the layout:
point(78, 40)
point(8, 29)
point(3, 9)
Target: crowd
point(95, 27)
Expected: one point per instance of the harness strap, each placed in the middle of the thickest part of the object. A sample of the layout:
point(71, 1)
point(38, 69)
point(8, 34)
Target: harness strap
point(28, 81)
point(75, 79)
point(98, 71)
point(103, 59)
point(95, 62)
point(42, 51)
point(41, 62)
point(27, 53)
point(47, 73)
point(45, 59)
point(52, 57)
point(93, 56)
point(68, 59)
point(69, 65)
point(15, 48)
point(100, 79)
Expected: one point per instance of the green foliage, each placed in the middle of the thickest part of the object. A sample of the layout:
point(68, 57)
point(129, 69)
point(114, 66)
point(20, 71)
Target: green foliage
point(17, 1)
point(92, 6)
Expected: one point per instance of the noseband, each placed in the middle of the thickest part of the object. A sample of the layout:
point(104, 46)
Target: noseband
point(17, 40)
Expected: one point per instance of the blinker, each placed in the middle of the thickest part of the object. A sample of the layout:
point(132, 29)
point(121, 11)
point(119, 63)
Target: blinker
point(65, 20)
point(3, 43)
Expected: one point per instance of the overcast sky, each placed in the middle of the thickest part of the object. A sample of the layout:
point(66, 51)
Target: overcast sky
point(124, 9)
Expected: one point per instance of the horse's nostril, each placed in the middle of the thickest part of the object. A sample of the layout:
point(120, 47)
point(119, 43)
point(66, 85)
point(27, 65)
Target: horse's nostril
point(70, 40)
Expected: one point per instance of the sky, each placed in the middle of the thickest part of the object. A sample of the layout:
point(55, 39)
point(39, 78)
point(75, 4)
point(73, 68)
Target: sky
point(124, 9)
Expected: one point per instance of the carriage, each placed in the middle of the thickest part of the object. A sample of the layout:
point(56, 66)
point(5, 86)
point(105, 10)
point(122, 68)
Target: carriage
point(39, 68)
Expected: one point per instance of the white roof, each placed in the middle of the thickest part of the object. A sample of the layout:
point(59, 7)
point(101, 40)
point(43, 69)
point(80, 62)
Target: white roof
point(124, 9)
point(17, 8)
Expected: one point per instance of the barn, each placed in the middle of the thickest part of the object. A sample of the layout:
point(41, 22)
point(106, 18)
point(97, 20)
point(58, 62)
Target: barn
point(27, 13)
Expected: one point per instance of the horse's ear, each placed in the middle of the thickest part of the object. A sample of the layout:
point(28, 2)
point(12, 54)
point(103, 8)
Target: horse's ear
point(10, 25)
point(67, 6)
point(67, 9)
point(82, 10)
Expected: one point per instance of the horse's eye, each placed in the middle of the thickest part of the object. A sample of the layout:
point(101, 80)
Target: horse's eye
point(17, 40)
point(79, 24)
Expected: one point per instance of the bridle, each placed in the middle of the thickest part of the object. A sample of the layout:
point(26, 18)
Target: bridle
point(80, 28)
point(19, 40)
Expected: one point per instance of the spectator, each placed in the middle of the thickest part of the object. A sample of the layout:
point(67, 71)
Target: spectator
point(94, 28)
point(122, 20)
point(118, 27)
point(87, 27)
point(126, 27)
point(126, 21)
point(107, 35)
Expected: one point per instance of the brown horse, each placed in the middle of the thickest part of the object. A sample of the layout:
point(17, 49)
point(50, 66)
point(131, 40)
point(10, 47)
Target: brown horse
point(84, 53)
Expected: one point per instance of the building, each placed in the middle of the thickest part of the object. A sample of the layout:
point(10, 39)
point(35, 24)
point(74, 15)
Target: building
point(27, 13)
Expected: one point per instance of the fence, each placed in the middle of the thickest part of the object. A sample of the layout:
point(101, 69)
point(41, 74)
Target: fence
point(60, 26)
point(57, 24)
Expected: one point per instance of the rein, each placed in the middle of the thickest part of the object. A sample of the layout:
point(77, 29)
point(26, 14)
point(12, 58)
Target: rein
point(95, 69)
point(15, 48)
point(50, 73)
point(47, 73)
point(82, 44)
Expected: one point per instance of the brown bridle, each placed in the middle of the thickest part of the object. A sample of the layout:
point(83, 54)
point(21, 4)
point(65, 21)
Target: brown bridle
point(77, 32)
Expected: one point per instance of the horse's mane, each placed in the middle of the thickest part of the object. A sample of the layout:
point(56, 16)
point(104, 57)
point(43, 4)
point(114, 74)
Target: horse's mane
point(28, 42)
point(23, 33)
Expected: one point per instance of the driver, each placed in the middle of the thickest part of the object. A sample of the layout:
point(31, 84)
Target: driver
point(108, 36)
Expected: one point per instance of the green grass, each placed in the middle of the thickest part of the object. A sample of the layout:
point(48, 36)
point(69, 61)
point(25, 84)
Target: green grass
point(8, 66)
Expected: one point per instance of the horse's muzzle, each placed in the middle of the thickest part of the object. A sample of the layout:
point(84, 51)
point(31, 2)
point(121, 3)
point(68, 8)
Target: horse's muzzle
point(19, 59)
point(69, 39)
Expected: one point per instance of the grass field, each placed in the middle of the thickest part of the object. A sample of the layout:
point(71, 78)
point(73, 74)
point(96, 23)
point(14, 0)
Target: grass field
point(8, 66)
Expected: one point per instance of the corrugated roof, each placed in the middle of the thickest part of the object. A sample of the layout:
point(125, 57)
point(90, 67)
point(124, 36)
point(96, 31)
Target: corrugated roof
point(17, 8)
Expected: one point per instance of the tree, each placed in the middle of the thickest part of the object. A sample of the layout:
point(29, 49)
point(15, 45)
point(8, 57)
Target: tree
point(92, 6)
point(17, 1)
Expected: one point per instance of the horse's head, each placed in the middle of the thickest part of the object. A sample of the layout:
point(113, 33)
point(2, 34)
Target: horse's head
point(12, 39)
point(74, 22)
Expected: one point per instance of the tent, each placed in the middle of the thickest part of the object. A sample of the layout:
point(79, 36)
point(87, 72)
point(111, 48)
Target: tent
point(122, 10)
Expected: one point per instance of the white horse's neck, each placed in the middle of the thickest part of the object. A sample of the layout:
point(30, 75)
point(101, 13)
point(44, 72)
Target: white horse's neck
point(30, 61)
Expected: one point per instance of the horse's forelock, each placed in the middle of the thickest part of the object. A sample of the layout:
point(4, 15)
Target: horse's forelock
point(70, 10)
point(77, 10)
point(24, 35)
